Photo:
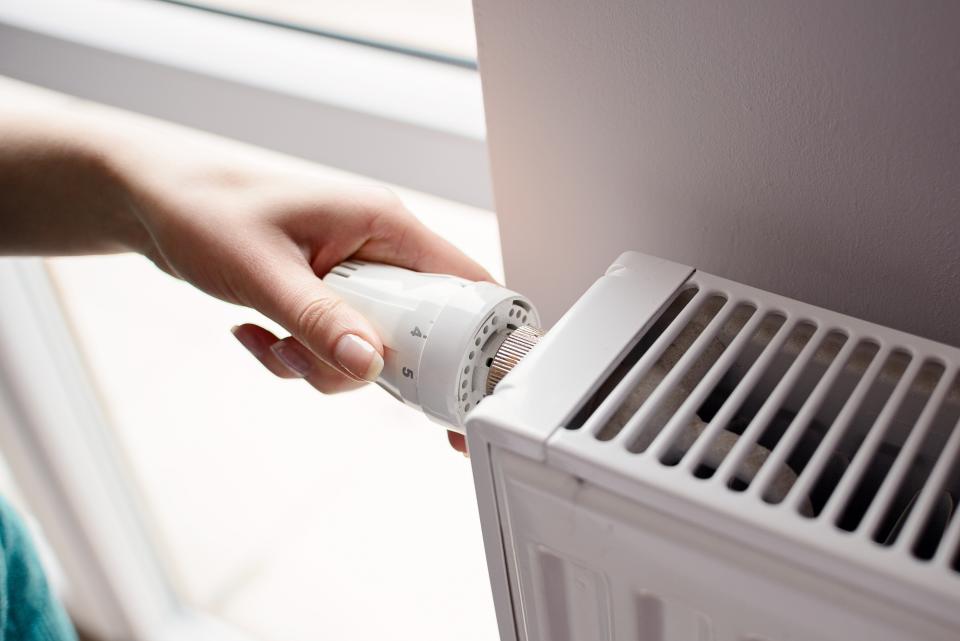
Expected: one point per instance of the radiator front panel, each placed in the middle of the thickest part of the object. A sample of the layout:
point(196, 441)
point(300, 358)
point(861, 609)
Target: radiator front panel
point(587, 564)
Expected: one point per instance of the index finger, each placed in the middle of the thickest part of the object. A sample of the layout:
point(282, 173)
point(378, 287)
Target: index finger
point(399, 238)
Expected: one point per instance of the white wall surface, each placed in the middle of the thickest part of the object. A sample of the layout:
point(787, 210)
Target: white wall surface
point(808, 148)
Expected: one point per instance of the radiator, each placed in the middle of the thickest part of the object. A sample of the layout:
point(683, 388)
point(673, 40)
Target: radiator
point(686, 458)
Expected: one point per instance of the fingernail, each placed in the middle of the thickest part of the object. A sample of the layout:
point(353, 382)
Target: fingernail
point(291, 355)
point(253, 346)
point(358, 357)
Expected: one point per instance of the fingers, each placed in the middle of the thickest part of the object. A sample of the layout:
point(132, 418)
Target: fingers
point(458, 442)
point(432, 253)
point(258, 342)
point(441, 257)
point(287, 358)
point(397, 237)
point(320, 375)
point(291, 294)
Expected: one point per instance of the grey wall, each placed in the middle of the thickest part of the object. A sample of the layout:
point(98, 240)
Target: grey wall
point(809, 148)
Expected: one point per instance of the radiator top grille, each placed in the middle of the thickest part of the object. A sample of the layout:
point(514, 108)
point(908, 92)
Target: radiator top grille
point(820, 416)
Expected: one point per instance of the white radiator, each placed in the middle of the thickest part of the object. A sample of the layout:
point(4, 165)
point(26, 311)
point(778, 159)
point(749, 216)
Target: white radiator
point(685, 458)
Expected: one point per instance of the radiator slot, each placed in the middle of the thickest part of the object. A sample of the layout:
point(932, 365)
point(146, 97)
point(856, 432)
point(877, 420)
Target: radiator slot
point(744, 407)
point(891, 442)
point(670, 352)
point(784, 416)
point(693, 376)
point(810, 377)
point(927, 495)
point(852, 432)
point(642, 343)
point(823, 409)
point(744, 356)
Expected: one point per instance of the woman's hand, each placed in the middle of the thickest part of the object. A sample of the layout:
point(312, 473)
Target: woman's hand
point(265, 240)
point(253, 232)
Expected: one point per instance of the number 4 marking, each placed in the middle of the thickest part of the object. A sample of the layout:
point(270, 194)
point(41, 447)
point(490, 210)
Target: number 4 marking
point(416, 332)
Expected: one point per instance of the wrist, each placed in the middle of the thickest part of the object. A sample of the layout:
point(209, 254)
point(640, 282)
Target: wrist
point(123, 218)
point(130, 165)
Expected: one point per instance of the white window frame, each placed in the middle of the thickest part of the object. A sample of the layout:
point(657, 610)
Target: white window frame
point(66, 462)
point(383, 114)
point(379, 113)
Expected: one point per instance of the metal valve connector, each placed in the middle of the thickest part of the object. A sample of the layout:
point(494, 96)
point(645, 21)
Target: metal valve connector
point(512, 350)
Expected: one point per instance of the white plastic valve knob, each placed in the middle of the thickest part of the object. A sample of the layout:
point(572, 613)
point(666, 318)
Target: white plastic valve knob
point(440, 332)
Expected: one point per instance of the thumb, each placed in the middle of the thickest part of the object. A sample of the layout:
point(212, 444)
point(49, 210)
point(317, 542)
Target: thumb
point(322, 321)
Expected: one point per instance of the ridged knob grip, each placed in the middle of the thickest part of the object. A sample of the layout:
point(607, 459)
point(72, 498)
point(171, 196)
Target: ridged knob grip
point(514, 348)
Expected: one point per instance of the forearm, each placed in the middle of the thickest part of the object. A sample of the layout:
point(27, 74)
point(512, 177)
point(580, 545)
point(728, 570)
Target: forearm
point(63, 187)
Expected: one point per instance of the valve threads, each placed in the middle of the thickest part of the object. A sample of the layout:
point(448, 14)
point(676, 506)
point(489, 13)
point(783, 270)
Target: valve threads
point(512, 350)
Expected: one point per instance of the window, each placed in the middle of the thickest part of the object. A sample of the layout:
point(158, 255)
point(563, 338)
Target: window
point(439, 27)
point(281, 512)
point(290, 514)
